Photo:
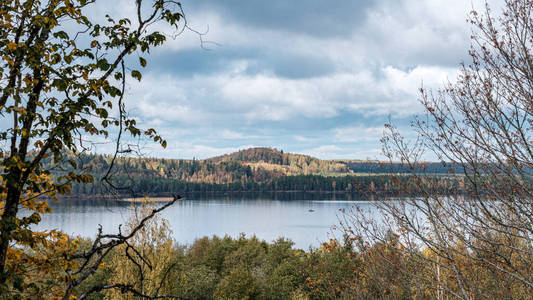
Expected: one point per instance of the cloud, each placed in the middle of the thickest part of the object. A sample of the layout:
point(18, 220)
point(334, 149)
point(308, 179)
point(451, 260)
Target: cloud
point(402, 34)
point(188, 150)
point(411, 32)
point(324, 151)
point(304, 139)
point(314, 17)
point(234, 135)
point(358, 133)
point(339, 152)
point(324, 75)
point(226, 98)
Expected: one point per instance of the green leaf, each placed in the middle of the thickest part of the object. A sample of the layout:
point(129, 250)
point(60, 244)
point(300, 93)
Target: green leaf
point(142, 61)
point(102, 64)
point(61, 35)
point(73, 164)
point(136, 74)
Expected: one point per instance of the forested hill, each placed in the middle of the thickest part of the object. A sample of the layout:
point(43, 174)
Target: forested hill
point(249, 169)
point(254, 164)
point(299, 164)
point(279, 162)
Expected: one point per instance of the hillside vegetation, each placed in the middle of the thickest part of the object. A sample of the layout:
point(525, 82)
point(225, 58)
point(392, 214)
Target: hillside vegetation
point(254, 169)
point(279, 162)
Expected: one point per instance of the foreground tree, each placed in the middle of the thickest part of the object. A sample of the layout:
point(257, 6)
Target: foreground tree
point(474, 236)
point(146, 262)
point(62, 80)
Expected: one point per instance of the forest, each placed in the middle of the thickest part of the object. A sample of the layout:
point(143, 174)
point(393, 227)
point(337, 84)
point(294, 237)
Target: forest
point(249, 170)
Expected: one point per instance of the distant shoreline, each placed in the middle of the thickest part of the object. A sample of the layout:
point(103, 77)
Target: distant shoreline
point(244, 195)
point(146, 199)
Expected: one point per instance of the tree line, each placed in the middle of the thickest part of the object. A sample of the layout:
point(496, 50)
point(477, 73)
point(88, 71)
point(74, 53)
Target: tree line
point(250, 170)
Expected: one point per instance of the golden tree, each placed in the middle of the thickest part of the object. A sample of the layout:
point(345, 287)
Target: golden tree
point(146, 261)
point(62, 78)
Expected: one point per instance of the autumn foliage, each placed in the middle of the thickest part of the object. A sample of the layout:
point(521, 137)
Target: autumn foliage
point(60, 86)
point(475, 245)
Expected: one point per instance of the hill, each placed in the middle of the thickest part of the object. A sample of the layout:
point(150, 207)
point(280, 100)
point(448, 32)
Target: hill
point(279, 162)
point(254, 169)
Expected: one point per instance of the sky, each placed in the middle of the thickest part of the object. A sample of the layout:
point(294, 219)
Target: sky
point(313, 77)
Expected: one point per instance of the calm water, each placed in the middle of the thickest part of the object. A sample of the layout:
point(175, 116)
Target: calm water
point(305, 222)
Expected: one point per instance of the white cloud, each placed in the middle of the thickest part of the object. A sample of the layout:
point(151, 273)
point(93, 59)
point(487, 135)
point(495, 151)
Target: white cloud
point(324, 151)
point(272, 98)
point(358, 134)
point(266, 97)
point(188, 150)
point(234, 135)
point(304, 139)
point(338, 152)
point(165, 98)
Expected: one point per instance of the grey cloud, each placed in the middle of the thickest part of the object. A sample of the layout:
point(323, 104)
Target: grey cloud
point(311, 17)
point(189, 62)
point(412, 32)
point(289, 69)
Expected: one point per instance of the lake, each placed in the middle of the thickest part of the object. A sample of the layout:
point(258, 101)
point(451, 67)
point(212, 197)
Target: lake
point(305, 222)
